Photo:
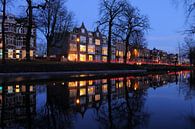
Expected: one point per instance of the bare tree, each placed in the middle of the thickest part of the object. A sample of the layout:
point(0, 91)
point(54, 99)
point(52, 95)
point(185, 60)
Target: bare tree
point(189, 49)
point(109, 11)
point(54, 21)
point(131, 27)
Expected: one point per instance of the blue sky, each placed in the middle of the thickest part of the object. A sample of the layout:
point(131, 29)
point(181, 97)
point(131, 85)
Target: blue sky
point(167, 21)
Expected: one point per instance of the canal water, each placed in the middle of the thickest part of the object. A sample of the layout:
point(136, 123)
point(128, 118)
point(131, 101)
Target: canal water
point(153, 101)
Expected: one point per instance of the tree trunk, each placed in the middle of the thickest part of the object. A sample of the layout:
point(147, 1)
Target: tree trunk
point(3, 30)
point(110, 42)
point(126, 48)
point(28, 36)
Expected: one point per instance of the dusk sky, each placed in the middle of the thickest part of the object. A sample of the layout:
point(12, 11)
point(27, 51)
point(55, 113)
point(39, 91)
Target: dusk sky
point(167, 21)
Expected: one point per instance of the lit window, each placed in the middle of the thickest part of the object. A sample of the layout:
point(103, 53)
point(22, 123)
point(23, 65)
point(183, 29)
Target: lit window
point(72, 57)
point(91, 49)
point(82, 91)
point(91, 90)
point(90, 82)
point(104, 88)
point(10, 89)
point(23, 54)
point(31, 53)
point(17, 88)
point(31, 89)
point(90, 57)
point(97, 42)
point(82, 83)
point(1, 54)
point(104, 80)
point(104, 58)
point(129, 55)
point(82, 39)
point(72, 84)
point(104, 51)
point(121, 53)
point(82, 57)
point(82, 48)
point(136, 53)
point(120, 84)
point(23, 88)
point(97, 97)
point(1, 88)
point(10, 53)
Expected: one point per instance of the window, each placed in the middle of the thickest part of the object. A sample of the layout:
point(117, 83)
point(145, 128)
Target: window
point(83, 30)
point(10, 53)
point(82, 83)
point(91, 90)
point(90, 41)
point(73, 47)
point(104, 58)
point(98, 34)
point(90, 57)
point(104, 41)
point(82, 91)
point(104, 88)
point(31, 53)
point(97, 42)
point(10, 89)
point(82, 57)
point(82, 39)
point(72, 84)
point(104, 51)
point(1, 54)
point(82, 48)
point(91, 49)
point(121, 53)
point(17, 88)
point(72, 57)
point(73, 37)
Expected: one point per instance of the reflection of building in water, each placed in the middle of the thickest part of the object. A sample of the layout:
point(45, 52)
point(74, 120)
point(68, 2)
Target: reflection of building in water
point(16, 103)
point(83, 94)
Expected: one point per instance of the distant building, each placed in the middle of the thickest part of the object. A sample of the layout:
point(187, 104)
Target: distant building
point(15, 38)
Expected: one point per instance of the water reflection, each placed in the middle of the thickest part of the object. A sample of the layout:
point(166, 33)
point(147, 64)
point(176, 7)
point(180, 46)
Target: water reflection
point(115, 103)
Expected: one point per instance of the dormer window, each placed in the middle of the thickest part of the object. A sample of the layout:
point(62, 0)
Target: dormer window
point(83, 30)
point(98, 34)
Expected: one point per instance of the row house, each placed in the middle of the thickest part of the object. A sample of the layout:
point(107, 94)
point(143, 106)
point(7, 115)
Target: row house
point(15, 38)
point(87, 46)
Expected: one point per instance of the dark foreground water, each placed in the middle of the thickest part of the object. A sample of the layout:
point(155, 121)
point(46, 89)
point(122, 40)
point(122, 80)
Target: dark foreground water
point(155, 101)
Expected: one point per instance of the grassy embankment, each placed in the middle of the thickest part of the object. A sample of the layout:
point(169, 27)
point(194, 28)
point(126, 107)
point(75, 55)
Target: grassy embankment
point(52, 66)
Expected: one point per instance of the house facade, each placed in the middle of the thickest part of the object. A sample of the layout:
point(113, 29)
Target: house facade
point(15, 38)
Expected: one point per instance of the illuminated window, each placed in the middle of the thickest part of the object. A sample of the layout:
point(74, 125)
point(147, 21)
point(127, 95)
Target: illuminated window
point(90, 82)
point(17, 88)
point(136, 53)
point(73, 47)
point(31, 53)
point(72, 84)
point(117, 53)
point(82, 48)
point(104, 51)
point(104, 88)
point(136, 86)
point(82, 39)
point(10, 89)
point(97, 42)
point(72, 57)
point(10, 53)
point(23, 54)
point(90, 41)
point(82, 83)
point(82, 91)
point(82, 57)
point(121, 53)
point(91, 90)
point(90, 57)
point(120, 85)
point(23, 88)
point(31, 89)
point(97, 97)
point(91, 49)
point(104, 58)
